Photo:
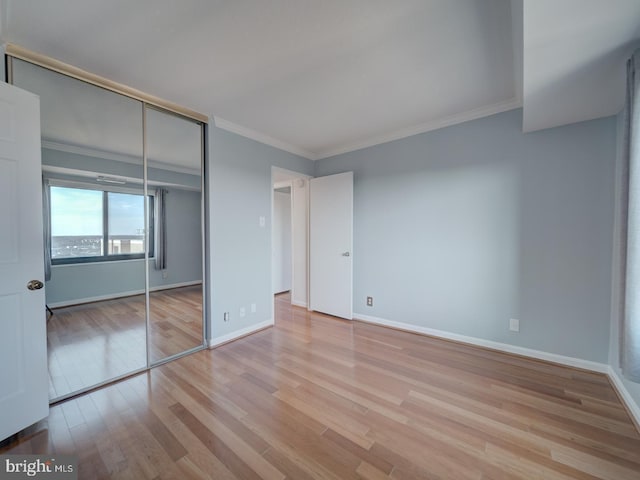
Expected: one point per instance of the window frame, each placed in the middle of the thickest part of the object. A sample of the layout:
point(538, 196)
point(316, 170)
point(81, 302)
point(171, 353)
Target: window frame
point(105, 257)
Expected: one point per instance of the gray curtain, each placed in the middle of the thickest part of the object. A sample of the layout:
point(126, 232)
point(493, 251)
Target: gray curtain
point(46, 212)
point(161, 229)
point(630, 331)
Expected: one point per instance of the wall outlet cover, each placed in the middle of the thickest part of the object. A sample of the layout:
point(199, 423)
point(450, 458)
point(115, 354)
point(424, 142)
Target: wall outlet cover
point(514, 324)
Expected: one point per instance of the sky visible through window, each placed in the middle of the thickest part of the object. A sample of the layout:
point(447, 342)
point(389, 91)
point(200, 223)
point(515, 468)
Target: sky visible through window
point(78, 223)
point(126, 214)
point(78, 212)
point(75, 212)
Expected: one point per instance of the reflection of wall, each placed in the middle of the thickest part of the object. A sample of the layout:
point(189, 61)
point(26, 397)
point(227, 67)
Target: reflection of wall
point(131, 168)
point(76, 283)
point(72, 284)
point(184, 240)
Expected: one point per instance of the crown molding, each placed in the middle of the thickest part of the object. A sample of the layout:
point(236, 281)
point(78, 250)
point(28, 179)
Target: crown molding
point(118, 157)
point(90, 152)
point(16, 51)
point(437, 124)
point(262, 138)
point(474, 114)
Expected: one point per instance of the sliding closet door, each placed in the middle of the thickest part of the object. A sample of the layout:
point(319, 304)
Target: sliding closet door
point(174, 151)
point(92, 163)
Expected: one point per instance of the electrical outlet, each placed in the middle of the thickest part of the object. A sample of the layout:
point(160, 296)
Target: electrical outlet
point(369, 301)
point(226, 316)
point(243, 311)
point(514, 324)
point(165, 274)
point(254, 309)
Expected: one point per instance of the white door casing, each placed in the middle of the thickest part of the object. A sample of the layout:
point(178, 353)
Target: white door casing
point(331, 245)
point(23, 344)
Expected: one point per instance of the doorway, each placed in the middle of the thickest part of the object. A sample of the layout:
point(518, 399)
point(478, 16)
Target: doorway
point(282, 260)
point(320, 239)
point(289, 235)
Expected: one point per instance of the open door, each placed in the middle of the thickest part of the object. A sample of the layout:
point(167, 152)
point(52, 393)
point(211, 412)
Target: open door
point(331, 245)
point(23, 345)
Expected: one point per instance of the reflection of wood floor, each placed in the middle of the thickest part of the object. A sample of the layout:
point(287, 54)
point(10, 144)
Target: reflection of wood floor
point(176, 321)
point(91, 343)
point(320, 398)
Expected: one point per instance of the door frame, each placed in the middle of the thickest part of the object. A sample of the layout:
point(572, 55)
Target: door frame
point(281, 177)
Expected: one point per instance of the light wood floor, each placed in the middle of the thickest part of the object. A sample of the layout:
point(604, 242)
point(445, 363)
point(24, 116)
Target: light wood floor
point(94, 342)
point(320, 398)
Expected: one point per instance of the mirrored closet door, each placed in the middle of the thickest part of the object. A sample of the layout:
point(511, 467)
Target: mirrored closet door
point(122, 184)
point(174, 179)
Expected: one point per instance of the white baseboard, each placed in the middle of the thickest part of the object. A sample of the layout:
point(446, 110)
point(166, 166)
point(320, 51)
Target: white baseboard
point(243, 332)
point(299, 304)
point(98, 298)
point(175, 285)
point(632, 406)
point(113, 296)
point(504, 347)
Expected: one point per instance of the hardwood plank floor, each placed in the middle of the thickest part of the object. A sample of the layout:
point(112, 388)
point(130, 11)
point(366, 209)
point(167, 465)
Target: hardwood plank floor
point(94, 342)
point(320, 398)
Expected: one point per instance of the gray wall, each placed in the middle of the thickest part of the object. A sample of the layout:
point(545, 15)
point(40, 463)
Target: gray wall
point(78, 283)
point(240, 192)
point(462, 228)
point(184, 240)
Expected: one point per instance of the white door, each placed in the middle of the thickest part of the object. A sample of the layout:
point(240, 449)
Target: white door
point(331, 245)
point(23, 342)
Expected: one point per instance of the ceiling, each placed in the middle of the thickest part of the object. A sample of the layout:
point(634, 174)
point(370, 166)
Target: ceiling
point(318, 78)
point(574, 59)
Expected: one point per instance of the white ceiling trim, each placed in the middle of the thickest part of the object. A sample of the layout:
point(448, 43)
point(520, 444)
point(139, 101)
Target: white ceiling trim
point(93, 175)
point(262, 138)
point(118, 157)
point(89, 152)
point(474, 114)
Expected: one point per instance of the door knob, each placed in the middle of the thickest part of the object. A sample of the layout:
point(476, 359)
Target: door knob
point(35, 285)
point(346, 254)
